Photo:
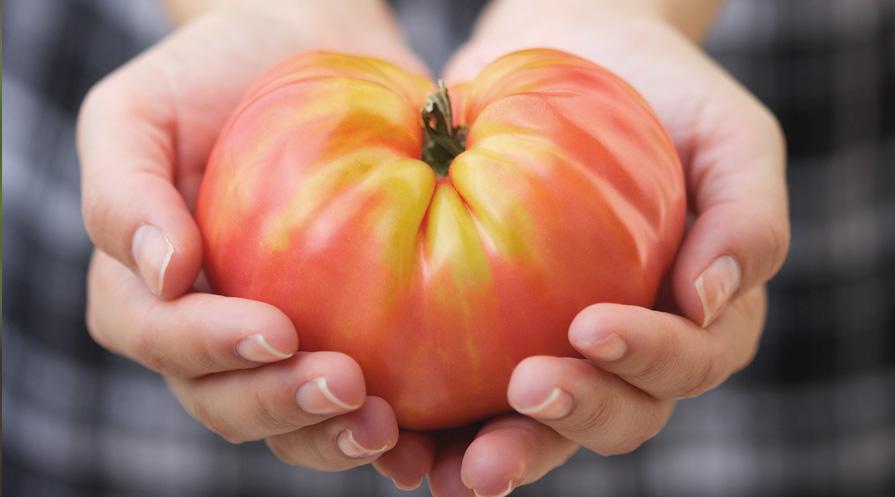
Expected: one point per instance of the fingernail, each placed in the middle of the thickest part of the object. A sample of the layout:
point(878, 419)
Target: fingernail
point(510, 487)
point(407, 488)
point(256, 349)
point(315, 397)
point(557, 405)
point(152, 252)
point(716, 285)
point(605, 348)
point(349, 446)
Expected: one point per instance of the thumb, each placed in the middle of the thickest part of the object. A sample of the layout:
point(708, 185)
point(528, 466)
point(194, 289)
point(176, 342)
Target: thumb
point(740, 233)
point(131, 207)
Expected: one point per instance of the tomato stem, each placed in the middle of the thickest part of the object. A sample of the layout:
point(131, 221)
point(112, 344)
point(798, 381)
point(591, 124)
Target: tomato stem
point(442, 141)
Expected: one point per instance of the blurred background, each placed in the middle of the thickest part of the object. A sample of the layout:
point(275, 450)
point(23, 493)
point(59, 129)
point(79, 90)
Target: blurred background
point(814, 415)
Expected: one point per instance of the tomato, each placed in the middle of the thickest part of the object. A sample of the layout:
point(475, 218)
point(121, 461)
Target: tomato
point(553, 186)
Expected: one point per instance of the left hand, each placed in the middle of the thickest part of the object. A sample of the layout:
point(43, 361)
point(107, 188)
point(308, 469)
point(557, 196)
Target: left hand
point(638, 361)
point(145, 133)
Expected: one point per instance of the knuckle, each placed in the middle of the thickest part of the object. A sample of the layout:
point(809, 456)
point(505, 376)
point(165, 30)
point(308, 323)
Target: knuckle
point(703, 378)
point(94, 100)
point(764, 125)
point(228, 434)
point(95, 211)
point(771, 233)
point(149, 351)
point(775, 129)
point(301, 449)
point(93, 328)
point(655, 369)
point(204, 415)
point(150, 356)
point(625, 446)
point(107, 95)
point(162, 348)
point(281, 450)
point(206, 352)
point(593, 423)
point(754, 305)
point(746, 358)
point(268, 415)
point(652, 422)
point(777, 241)
point(287, 449)
point(92, 320)
point(203, 361)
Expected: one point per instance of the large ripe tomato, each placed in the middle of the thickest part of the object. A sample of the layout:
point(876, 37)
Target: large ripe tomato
point(316, 200)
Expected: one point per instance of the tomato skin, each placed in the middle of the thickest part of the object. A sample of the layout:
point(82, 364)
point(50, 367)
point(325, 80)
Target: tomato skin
point(315, 200)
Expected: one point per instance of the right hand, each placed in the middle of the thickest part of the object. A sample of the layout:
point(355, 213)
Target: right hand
point(637, 362)
point(144, 135)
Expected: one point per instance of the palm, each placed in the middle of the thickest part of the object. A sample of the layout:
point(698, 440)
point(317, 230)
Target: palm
point(195, 114)
point(198, 75)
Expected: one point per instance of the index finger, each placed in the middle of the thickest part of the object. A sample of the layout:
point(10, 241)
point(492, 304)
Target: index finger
point(666, 355)
point(194, 335)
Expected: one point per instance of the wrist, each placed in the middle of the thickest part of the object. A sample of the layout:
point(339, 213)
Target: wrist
point(183, 11)
point(286, 26)
point(693, 18)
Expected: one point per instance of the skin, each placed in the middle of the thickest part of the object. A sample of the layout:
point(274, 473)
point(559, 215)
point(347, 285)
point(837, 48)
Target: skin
point(640, 361)
point(312, 408)
point(425, 266)
point(145, 133)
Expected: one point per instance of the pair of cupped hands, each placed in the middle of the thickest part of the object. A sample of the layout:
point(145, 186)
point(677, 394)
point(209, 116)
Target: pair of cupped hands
point(145, 133)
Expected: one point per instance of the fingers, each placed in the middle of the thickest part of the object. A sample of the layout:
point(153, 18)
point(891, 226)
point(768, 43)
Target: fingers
point(589, 406)
point(665, 355)
point(190, 336)
point(444, 478)
point(512, 451)
point(637, 362)
point(740, 234)
point(279, 398)
point(144, 134)
point(343, 442)
point(311, 409)
point(311, 405)
point(146, 131)
point(409, 461)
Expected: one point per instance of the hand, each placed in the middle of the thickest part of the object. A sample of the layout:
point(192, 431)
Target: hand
point(638, 361)
point(144, 135)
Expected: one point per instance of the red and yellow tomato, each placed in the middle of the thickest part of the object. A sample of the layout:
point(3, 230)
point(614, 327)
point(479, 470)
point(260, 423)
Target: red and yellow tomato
point(569, 192)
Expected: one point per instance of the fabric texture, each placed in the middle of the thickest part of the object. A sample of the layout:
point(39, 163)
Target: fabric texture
point(814, 415)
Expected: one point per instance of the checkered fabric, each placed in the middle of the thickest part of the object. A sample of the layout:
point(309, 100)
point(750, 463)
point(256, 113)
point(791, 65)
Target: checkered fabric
point(814, 415)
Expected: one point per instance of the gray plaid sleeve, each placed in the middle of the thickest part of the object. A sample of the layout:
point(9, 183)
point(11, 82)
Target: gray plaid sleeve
point(813, 415)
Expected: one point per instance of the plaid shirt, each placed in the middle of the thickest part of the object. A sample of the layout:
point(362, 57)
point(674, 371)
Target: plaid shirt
point(814, 415)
